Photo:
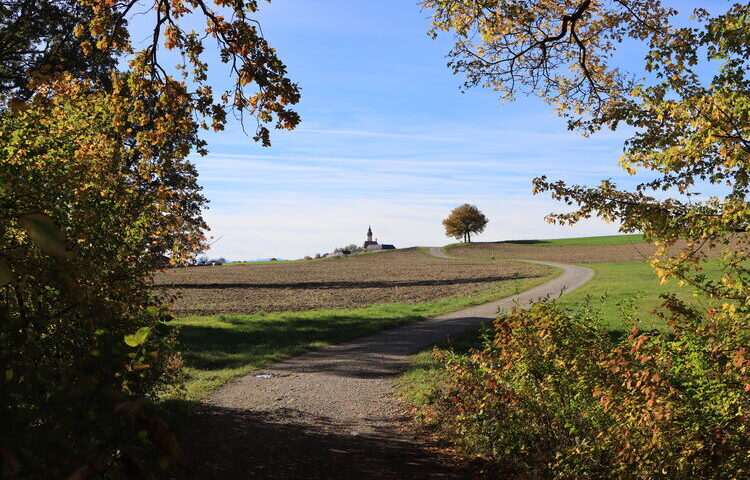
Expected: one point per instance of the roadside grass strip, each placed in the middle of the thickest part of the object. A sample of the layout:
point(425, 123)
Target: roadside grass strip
point(617, 292)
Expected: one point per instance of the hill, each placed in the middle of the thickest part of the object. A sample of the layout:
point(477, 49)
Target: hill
point(614, 248)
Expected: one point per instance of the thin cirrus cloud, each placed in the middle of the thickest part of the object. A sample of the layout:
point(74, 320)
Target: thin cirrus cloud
point(387, 139)
point(314, 191)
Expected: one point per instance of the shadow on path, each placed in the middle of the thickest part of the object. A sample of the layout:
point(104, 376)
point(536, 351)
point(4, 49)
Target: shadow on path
point(288, 445)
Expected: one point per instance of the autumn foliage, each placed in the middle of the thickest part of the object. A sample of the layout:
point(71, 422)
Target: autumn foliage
point(88, 214)
point(97, 194)
point(463, 221)
point(550, 397)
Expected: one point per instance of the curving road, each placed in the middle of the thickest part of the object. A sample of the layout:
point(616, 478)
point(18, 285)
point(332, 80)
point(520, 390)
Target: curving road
point(572, 277)
point(331, 414)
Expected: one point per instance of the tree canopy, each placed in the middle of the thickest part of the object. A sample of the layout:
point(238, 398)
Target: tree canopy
point(675, 402)
point(690, 108)
point(97, 193)
point(463, 221)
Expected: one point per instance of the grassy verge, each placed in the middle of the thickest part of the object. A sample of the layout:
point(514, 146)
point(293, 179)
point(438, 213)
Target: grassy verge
point(220, 347)
point(424, 378)
point(618, 289)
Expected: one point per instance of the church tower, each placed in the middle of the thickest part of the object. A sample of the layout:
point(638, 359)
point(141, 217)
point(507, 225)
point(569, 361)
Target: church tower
point(369, 241)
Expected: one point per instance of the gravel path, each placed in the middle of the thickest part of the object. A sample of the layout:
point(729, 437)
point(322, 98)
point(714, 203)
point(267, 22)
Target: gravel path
point(331, 414)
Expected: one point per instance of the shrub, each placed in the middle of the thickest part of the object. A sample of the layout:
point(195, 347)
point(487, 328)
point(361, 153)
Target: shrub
point(551, 396)
point(96, 193)
point(523, 399)
point(678, 401)
point(87, 217)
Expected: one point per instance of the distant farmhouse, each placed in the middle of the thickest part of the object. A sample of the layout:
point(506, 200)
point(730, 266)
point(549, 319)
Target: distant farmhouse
point(369, 245)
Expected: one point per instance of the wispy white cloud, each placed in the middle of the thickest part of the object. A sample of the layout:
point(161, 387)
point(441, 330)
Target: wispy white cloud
point(365, 133)
point(387, 139)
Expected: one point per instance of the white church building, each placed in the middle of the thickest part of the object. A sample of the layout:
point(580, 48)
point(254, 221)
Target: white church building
point(371, 244)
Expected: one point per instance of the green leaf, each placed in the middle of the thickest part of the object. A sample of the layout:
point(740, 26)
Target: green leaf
point(138, 337)
point(45, 234)
point(6, 276)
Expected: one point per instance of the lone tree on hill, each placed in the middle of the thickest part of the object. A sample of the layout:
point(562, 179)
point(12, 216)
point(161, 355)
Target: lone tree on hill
point(463, 221)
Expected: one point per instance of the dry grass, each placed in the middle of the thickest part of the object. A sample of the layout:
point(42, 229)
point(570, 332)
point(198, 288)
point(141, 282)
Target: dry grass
point(405, 276)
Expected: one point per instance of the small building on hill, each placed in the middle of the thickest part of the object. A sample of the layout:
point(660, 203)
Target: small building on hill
point(371, 244)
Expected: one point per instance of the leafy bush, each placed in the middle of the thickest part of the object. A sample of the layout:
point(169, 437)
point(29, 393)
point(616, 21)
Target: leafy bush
point(96, 194)
point(551, 396)
point(88, 214)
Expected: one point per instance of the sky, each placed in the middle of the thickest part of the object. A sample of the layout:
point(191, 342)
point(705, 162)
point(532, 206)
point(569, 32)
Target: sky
point(387, 139)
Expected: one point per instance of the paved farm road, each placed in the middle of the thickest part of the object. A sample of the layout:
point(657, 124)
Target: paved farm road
point(331, 414)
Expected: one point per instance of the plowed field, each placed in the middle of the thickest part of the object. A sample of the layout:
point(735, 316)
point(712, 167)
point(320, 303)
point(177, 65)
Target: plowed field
point(556, 253)
point(635, 251)
point(406, 276)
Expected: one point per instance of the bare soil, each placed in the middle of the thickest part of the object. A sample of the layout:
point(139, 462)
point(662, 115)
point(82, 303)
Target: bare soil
point(626, 252)
point(633, 252)
point(406, 276)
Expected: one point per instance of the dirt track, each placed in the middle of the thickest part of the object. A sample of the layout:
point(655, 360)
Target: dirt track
point(331, 414)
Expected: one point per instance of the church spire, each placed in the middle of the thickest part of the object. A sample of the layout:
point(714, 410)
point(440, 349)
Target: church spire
point(369, 238)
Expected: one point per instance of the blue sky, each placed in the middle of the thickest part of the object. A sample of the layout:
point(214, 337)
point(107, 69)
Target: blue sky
point(387, 139)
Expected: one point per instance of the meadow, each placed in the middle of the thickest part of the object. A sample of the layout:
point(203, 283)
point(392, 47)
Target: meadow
point(630, 289)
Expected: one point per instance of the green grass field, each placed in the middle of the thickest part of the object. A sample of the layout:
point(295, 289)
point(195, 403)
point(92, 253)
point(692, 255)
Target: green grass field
point(619, 288)
point(220, 347)
point(616, 289)
point(603, 240)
